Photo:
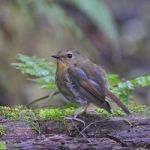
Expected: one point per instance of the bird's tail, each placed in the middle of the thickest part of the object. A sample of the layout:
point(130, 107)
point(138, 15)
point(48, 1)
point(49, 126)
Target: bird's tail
point(117, 101)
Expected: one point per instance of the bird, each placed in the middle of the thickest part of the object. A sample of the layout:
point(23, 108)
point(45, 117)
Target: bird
point(82, 81)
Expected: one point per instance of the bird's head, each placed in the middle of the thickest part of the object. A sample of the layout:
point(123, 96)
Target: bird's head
point(67, 57)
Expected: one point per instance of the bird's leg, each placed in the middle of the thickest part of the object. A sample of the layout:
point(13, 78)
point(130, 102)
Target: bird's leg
point(78, 112)
point(85, 109)
point(90, 109)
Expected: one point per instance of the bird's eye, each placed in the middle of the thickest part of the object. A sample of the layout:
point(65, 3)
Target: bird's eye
point(69, 55)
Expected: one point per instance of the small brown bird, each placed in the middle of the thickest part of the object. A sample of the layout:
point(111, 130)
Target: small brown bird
point(82, 81)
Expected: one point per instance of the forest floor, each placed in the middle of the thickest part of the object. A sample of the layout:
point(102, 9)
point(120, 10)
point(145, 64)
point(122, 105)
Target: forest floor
point(115, 133)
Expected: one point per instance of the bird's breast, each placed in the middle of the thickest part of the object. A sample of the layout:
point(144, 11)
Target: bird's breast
point(61, 65)
point(61, 78)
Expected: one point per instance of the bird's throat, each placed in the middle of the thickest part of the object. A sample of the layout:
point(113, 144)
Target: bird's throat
point(61, 65)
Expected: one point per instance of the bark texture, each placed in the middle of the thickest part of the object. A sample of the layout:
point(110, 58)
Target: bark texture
point(97, 134)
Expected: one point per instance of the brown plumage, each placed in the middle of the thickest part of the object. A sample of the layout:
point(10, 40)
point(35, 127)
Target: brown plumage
point(82, 81)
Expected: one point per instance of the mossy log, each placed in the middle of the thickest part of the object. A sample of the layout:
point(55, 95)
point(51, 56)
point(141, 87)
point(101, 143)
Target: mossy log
point(116, 133)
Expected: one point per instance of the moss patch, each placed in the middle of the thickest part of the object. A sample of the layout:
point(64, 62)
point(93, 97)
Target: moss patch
point(2, 130)
point(2, 145)
point(10, 112)
point(22, 113)
point(55, 114)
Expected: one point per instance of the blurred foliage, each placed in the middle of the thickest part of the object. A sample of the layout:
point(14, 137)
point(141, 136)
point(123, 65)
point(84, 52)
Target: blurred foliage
point(100, 15)
point(55, 15)
point(3, 145)
point(42, 26)
point(124, 89)
point(43, 73)
point(2, 130)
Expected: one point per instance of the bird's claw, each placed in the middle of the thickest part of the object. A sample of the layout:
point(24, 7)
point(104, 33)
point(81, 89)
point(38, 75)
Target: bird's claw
point(75, 119)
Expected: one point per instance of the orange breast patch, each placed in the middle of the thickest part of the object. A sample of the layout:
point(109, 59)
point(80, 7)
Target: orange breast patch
point(61, 65)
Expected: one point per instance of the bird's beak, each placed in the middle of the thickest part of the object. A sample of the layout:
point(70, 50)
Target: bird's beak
point(55, 56)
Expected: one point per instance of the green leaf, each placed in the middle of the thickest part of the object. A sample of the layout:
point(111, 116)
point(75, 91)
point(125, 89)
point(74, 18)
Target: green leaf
point(38, 70)
point(124, 89)
point(142, 81)
point(114, 79)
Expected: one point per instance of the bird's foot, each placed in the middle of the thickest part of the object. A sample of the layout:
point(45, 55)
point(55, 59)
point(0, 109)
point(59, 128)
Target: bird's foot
point(74, 118)
point(92, 112)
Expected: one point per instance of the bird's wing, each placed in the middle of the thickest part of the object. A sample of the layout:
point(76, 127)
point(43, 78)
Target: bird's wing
point(79, 76)
point(97, 74)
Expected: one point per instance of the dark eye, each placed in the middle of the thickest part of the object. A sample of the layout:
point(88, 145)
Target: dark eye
point(69, 55)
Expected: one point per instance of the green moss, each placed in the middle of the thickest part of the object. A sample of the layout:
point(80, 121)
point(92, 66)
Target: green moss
point(133, 108)
point(2, 145)
point(139, 109)
point(22, 113)
point(102, 112)
point(105, 114)
point(55, 114)
point(118, 112)
point(2, 130)
point(10, 112)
